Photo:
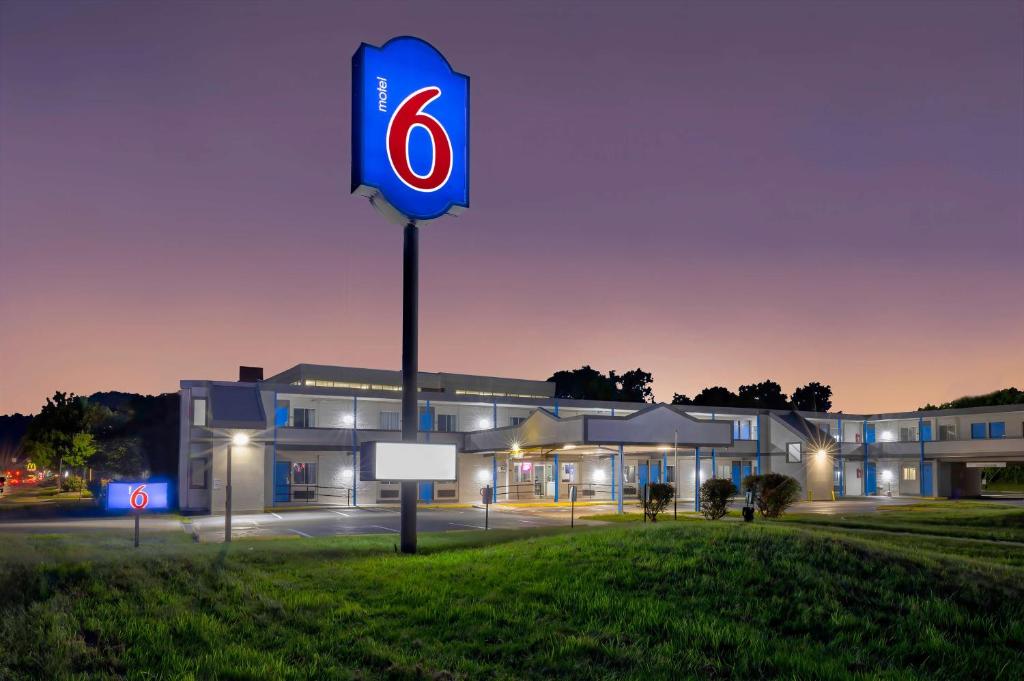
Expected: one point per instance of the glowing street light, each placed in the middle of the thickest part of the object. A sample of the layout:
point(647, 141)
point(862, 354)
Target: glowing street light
point(237, 440)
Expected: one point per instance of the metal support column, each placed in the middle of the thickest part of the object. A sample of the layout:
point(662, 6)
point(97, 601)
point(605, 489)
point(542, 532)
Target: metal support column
point(494, 478)
point(557, 478)
point(923, 491)
point(410, 367)
point(757, 449)
point(355, 451)
point(714, 466)
point(696, 479)
point(618, 474)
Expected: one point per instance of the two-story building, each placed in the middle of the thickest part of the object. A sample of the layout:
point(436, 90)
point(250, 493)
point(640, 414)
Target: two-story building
point(305, 426)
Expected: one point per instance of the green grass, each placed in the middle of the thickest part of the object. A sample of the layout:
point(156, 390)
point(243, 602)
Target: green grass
point(968, 519)
point(670, 600)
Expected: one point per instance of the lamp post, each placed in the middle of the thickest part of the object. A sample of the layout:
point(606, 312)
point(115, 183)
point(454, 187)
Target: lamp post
point(239, 440)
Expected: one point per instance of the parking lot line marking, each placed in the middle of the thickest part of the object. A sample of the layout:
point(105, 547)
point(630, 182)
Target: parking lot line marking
point(300, 532)
point(381, 527)
point(475, 527)
point(277, 516)
point(340, 513)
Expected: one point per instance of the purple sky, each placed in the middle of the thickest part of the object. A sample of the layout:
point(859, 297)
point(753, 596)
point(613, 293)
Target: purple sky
point(717, 192)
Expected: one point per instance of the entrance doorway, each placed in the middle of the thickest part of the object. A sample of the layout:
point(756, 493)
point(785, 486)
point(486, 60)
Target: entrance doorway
point(543, 480)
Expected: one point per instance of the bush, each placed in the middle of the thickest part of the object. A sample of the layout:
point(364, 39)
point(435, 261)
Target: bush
point(773, 493)
point(659, 494)
point(72, 483)
point(714, 497)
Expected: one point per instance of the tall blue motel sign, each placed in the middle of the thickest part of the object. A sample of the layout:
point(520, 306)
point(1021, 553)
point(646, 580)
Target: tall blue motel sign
point(410, 130)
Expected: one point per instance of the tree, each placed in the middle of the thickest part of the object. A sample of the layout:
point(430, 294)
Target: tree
point(51, 436)
point(659, 495)
point(634, 385)
point(679, 398)
point(716, 396)
point(764, 395)
point(995, 398)
point(813, 397)
point(584, 383)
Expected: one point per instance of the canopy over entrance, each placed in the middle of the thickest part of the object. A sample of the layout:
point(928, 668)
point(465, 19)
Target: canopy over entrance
point(658, 425)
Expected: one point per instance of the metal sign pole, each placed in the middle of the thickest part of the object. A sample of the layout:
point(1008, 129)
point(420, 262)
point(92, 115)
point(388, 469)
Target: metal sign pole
point(137, 514)
point(227, 501)
point(410, 367)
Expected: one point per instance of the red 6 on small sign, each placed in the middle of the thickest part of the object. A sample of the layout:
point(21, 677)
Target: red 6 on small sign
point(138, 498)
point(407, 116)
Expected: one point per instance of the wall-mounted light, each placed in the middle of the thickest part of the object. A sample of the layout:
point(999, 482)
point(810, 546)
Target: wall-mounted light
point(599, 475)
point(348, 420)
point(483, 475)
point(887, 435)
point(240, 439)
point(483, 424)
point(886, 476)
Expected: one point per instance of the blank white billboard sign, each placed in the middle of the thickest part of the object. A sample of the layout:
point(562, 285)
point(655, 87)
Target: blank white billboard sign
point(412, 461)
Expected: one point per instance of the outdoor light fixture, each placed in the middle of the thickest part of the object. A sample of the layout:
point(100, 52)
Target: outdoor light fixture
point(347, 420)
point(821, 453)
point(515, 447)
point(346, 473)
point(599, 475)
point(483, 475)
point(887, 435)
point(483, 424)
point(240, 439)
point(886, 476)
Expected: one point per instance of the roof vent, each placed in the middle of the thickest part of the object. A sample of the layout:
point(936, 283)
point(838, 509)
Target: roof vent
point(250, 374)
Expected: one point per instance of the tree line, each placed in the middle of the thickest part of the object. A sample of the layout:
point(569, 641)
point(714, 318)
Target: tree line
point(636, 385)
point(112, 433)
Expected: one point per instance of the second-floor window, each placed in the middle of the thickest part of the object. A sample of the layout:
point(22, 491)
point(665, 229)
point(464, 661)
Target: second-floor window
point(199, 411)
point(515, 420)
point(978, 431)
point(794, 452)
point(446, 423)
point(947, 431)
point(908, 434)
point(389, 421)
point(997, 429)
point(303, 418)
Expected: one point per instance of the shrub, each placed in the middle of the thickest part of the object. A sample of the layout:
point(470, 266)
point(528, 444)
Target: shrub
point(714, 497)
point(659, 494)
point(72, 483)
point(773, 493)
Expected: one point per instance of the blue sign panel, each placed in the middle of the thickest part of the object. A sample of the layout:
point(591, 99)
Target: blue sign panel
point(410, 130)
point(137, 496)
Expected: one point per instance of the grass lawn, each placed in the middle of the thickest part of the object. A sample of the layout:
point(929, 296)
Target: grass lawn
point(669, 600)
point(973, 519)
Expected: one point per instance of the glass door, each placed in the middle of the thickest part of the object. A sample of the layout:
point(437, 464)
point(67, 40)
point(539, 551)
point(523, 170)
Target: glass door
point(538, 479)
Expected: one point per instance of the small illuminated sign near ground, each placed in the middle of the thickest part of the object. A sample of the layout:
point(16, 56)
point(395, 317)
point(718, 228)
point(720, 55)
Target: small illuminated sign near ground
point(137, 496)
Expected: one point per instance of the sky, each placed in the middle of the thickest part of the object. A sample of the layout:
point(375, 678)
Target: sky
point(718, 193)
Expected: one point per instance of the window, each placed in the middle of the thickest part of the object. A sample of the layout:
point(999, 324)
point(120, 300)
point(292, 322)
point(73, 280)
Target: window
point(521, 472)
point(978, 431)
point(670, 473)
point(303, 473)
point(947, 432)
point(745, 430)
point(629, 473)
point(303, 418)
point(198, 471)
point(446, 423)
point(725, 471)
point(997, 429)
point(389, 421)
point(199, 411)
point(794, 452)
point(281, 411)
point(910, 473)
point(908, 434)
point(568, 472)
point(516, 420)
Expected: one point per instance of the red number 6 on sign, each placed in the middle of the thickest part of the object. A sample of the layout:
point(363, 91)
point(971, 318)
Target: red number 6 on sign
point(407, 116)
point(138, 498)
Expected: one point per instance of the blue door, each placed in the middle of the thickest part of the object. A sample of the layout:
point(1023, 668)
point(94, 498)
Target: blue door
point(870, 482)
point(427, 491)
point(282, 490)
point(642, 479)
point(748, 469)
point(737, 479)
point(655, 472)
point(926, 480)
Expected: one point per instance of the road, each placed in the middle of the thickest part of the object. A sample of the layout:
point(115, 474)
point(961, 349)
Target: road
point(345, 521)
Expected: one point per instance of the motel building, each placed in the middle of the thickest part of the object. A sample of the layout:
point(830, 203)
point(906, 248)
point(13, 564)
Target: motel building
point(305, 426)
